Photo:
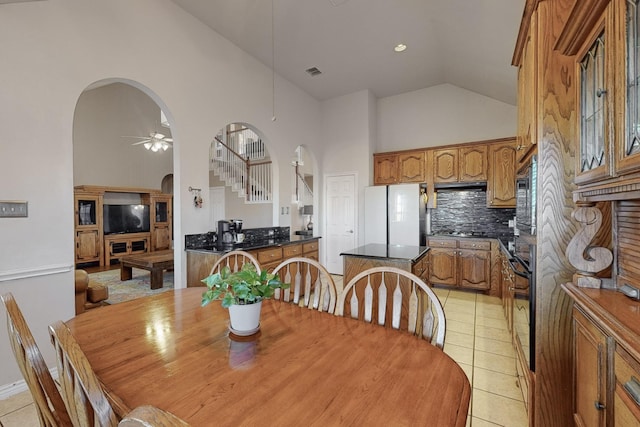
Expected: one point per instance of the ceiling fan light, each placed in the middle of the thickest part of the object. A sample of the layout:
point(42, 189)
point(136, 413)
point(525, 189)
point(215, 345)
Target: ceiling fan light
point(155, 147)
point(148, 145)
point(165, 146)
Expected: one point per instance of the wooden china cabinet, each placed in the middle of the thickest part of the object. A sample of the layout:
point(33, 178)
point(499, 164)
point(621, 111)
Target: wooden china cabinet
point(603, 37)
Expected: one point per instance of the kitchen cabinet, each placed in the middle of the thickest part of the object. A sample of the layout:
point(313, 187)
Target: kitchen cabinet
point(401, 167)
point(412, 167)
point(385, 169)
point(527, 93)
point(464, 263)
point(501, 182)
point(199, 262)
point(465, 164)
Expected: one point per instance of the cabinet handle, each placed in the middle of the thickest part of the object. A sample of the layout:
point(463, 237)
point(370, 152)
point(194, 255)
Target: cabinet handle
point(599, 406)
point(601, 92)
point(633, 388)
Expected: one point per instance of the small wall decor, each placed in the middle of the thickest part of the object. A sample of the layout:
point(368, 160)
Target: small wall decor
point(197, 197)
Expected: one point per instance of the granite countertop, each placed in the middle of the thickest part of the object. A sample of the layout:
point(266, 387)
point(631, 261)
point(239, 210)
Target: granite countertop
point(378, 250)
point(258, 244)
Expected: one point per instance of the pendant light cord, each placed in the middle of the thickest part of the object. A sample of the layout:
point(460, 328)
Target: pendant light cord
point(273, 66)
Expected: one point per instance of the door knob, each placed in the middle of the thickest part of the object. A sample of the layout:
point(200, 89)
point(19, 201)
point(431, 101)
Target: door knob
point(349, 231)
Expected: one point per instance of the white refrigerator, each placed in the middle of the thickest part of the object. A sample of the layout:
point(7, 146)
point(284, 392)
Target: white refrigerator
point(395, 214)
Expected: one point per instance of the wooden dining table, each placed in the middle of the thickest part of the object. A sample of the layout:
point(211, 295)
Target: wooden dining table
point(303, 367)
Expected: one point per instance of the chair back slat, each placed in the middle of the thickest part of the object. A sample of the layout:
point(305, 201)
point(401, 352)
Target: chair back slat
point(309, 278)
point(412, 305)
point(307, 287)
point(81, 389)
point(49, 404)
point(297, 285)
point(382, 305)
point(413, 310)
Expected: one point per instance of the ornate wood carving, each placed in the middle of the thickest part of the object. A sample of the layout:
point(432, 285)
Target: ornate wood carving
point(587, 259)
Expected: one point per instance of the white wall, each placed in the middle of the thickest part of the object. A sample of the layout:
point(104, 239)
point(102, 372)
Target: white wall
point(347, 135)
point(441, 115)
point(56, 49)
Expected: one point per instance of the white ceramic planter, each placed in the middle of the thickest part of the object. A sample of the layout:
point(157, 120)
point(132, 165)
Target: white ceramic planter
point(245, 319)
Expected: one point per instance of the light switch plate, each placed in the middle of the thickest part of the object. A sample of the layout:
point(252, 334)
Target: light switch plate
point(13, 209)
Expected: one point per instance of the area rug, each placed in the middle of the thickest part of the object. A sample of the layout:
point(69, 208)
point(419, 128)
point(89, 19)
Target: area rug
point(138, 286)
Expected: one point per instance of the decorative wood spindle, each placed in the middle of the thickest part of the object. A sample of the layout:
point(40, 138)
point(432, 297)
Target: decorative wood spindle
point(588, 260)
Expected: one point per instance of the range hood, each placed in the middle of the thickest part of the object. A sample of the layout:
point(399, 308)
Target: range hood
point(476, 185)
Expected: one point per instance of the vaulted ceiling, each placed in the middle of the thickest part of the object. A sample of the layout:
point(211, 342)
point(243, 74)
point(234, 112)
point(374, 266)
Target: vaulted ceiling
point(467, 43)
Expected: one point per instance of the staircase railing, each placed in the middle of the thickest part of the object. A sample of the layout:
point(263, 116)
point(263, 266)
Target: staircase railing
point(251, 179)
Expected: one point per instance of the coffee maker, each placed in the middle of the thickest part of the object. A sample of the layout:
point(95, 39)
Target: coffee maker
point(226, 236)
point(236, 230)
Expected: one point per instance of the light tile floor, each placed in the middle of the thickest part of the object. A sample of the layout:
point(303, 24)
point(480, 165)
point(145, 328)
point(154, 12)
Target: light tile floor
point(477, 339)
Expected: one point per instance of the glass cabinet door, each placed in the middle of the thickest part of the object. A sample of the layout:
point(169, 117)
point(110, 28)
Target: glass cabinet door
point(86, 212)
point(162, 211)
point(628, 152)
point(593, 96)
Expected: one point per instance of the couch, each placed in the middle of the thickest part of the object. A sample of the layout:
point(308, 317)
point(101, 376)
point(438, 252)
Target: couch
point(89, 294)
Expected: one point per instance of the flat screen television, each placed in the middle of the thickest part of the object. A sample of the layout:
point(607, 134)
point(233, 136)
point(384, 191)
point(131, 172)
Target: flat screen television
point(119, 219)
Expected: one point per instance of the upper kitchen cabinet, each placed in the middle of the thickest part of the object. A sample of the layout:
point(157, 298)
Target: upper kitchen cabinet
point(412, 166)
point(401, 167)
point(501, 188)
point(527, 92)
point(385, 169)
point(465, 164)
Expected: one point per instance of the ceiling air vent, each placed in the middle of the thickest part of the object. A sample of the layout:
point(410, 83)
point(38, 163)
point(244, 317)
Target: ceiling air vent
point(313, 71)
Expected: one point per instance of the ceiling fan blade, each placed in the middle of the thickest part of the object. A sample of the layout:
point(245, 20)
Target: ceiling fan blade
point(137, 137)
point(169, 140)
point(142, 142)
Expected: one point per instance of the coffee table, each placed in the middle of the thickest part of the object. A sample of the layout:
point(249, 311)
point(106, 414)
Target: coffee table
point(154, 262)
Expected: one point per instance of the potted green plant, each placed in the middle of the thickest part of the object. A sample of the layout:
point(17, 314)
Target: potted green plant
point(242, 293)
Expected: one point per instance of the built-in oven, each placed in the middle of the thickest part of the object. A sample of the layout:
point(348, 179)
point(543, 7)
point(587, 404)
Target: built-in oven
point(526, 186)
point(523, 265)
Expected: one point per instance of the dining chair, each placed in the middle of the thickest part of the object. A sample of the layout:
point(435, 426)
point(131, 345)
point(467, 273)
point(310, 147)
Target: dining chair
point(81, 390)
point(83, 395)
point(396, 299)
point(310, 279)
point(234, 260)
point(150, 416)
point(49, 404)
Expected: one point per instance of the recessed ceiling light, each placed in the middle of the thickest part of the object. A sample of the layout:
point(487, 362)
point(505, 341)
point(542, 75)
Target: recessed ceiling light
point(400, 47)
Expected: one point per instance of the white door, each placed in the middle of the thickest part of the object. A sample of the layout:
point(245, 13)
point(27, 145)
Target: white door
point(216, 211)
point(340, 219)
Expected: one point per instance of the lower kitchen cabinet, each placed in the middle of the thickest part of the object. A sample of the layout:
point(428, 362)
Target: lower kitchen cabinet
point(463, 263)
point(606, 362)
point(199, 262)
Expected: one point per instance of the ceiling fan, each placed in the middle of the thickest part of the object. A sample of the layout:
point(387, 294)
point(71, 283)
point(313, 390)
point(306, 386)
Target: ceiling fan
point(154, 142)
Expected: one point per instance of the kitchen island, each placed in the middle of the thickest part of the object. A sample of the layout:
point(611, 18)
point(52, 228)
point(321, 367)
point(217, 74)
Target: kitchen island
point(409, 258)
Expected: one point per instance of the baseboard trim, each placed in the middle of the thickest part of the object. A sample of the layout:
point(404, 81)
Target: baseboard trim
point(8, 390)
point(44, 270)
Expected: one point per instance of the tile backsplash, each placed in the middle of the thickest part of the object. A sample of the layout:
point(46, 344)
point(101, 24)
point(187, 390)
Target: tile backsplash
point(465, 210)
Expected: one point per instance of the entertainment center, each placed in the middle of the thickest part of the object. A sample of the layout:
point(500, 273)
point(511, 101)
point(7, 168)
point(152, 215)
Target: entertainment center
point(111, 222)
